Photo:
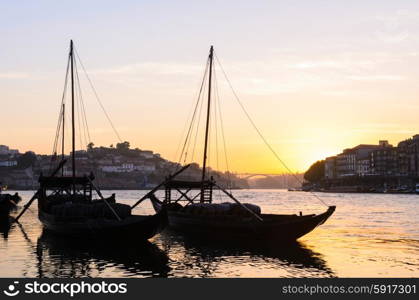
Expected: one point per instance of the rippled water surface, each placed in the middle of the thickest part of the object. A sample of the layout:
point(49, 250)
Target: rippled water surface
point(370, 235)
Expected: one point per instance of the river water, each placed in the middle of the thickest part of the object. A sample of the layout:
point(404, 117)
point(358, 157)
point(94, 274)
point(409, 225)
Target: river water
point(369, 235)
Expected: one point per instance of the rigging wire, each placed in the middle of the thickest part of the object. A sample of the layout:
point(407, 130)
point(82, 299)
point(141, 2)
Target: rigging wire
point(198, 124)
point(57, 134)
point(209, 146)
point(78, 98)
point(60, 118)
point(83, 127)
point(216, 123)
point(97, 97)
point(85, 124)
point(194, 114)
point(260, 133)
point(76, 102)
point(218, 101)
point(191, 113)
point(86, 131)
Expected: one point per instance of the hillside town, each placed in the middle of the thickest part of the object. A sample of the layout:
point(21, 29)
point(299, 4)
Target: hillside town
point(369, 168)
point(118, 167)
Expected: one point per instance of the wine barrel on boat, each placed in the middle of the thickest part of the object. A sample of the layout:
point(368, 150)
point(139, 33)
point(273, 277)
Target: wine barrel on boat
point(79, 215)
point(221, 209)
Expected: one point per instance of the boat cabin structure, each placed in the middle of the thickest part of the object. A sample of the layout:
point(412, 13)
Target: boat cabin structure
point(184, 189)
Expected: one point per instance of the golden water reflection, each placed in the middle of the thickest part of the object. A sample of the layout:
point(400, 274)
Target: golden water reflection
point(368, 236)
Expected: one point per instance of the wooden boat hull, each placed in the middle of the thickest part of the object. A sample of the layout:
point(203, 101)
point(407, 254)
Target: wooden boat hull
point(272, 228)
point(135, 226)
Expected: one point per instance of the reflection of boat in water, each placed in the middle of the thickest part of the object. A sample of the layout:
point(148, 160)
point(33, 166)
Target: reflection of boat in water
point(297, 189)
point(68, 257)
point(5, 227)
point(294, 257)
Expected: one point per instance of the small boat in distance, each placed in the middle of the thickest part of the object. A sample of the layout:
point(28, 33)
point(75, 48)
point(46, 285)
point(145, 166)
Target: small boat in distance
point(66, 205)
point(233, 221)
point(8, 203)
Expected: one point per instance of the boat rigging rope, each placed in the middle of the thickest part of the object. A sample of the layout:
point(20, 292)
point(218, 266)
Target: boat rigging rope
point(57, 133)
point(82, 134)
point(82, 108)
point(194, 108)
point(260, 133)
point(86, 131)
point(77, 108)
point(217, 123)
point(198, 123)
point(60, 118)
point(97, 96)
point(218, 105)
point(187, 139)
point(216, 128)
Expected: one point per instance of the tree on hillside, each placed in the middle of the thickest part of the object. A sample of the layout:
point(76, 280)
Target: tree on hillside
point(123, 146)
point(90, 146)
point(26, 160)
point(316, 172)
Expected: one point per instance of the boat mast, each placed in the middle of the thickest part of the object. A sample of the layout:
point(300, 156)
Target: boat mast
point(204, 164)
point(208, 113)
point(73, 127)
point(62, 142)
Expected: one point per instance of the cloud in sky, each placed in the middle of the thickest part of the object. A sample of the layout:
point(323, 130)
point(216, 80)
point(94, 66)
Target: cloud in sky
point(284, 73)
point(377, 78)
point(14, 75)
point(396, 27)
point(152, 68)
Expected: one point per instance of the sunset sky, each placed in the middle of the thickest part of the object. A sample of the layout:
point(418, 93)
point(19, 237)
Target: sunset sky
point(316, 76)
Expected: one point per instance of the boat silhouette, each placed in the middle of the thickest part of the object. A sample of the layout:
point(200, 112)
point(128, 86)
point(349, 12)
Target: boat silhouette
point(65, 202)
point(229, 221)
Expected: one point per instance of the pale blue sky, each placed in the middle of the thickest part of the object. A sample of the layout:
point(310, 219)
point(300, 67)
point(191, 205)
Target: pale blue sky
point(318, 76)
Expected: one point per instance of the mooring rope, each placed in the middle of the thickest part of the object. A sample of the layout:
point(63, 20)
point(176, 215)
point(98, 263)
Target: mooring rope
point(97, 97)
point(260, 133)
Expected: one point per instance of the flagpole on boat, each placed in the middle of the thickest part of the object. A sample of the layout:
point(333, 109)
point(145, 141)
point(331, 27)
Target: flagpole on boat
point(204, 164)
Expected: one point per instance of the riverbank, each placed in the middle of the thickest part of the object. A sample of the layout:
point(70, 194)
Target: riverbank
point(354, 189)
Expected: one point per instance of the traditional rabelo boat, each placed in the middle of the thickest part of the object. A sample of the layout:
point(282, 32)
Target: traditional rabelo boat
point(66, 205)
point(233, 221)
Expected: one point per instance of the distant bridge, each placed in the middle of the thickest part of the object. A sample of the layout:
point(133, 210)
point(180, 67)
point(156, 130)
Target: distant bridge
point(251, 175)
